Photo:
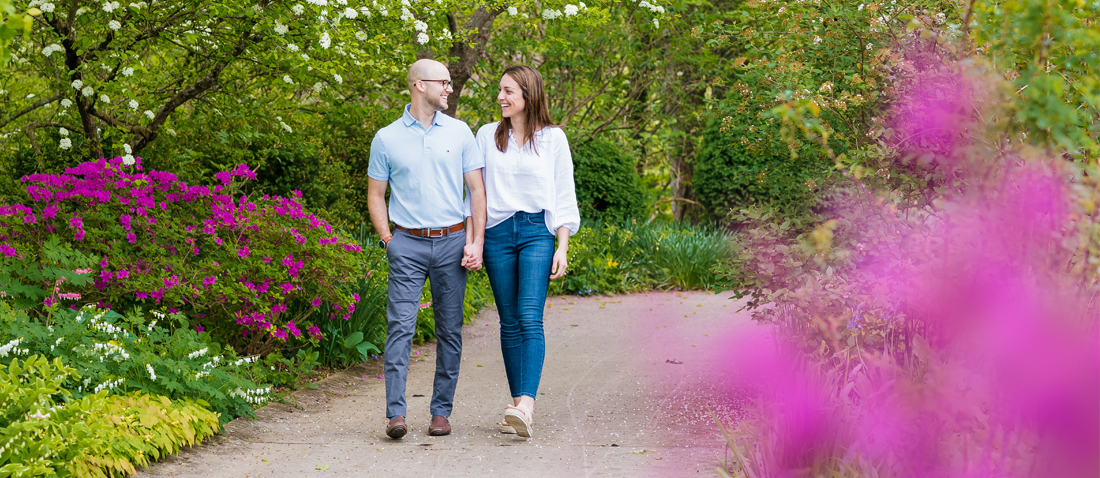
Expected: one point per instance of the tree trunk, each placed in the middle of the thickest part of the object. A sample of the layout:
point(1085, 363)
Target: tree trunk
point(464, 53)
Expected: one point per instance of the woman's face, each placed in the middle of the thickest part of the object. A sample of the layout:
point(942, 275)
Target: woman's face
point(510, 98)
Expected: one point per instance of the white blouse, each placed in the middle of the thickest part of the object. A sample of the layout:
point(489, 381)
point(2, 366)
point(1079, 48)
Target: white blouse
point(521, 180)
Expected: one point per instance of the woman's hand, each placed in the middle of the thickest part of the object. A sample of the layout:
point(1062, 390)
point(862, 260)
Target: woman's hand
point(557, 268)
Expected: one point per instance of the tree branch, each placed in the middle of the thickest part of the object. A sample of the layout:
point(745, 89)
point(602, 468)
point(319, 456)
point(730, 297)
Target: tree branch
point(36, 105)
point(466, 54)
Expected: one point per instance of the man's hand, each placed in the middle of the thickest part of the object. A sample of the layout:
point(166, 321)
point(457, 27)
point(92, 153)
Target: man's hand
point(471, 256)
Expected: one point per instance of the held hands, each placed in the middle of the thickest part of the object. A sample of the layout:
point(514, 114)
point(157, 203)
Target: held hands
point(471, 256)
point(557, 268)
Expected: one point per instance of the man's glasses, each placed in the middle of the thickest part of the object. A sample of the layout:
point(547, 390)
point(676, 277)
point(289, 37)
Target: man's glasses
point(445, 83)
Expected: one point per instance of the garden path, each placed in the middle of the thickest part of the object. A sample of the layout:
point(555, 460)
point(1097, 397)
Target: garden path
point(626, 390)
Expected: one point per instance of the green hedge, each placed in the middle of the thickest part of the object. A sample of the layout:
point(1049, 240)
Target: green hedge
point(733, 171)
point(608, 185)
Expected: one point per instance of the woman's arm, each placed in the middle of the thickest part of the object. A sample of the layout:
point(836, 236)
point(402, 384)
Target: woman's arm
point(561, 262)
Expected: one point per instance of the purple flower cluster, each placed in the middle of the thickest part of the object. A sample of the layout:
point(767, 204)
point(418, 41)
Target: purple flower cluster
point(175, 240)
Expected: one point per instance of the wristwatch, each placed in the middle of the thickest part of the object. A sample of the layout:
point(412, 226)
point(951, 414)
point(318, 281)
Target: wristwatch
point(382, 243)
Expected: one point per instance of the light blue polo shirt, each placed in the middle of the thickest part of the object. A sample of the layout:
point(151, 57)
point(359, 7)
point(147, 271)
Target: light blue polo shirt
point(424, 169)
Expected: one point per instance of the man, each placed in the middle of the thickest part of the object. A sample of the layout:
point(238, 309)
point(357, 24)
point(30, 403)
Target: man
point(424, 157)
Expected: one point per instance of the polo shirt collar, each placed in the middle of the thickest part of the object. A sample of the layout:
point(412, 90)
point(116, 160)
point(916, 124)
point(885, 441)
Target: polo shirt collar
point(408, 119)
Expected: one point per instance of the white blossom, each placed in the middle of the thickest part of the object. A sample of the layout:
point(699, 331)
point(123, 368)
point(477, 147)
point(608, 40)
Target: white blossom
point(63, 132)
point(318, 86)
point(653, 8)
point(860, 7)
point(128, 71)
point(422, 38)
point(298, 9)
point(87, 91)
point(351, 13)
point(383, 11)
point(256, 9)
point(32, 95)
point(342, 2)
point(420, 26)
point(513, 11)
point(446, 33)
point(66, 103)
point(339, 79)
point(292, 47)
point(110, 6)
point(549, 14)
point(138, 5)
point(152, 374)
point(103, 98)
point(65, 143)
point(280, 28)
point(286, 127)
point(365, 11)
point(325, 40)
point(13, 346)
point(197, 353)
point(77, 84)
point(149, 114)
point(114, 25)
point(49, 50)
point(656, 24)
point(47, 7)
point(571, 9)
point(583, 6)
point(817, 40)
point(305, 57)
point(361, 35)
point(869, 46)
point(129, 161)
point(287, 79)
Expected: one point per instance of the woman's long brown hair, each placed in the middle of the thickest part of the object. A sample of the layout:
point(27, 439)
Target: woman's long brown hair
point(536, 110)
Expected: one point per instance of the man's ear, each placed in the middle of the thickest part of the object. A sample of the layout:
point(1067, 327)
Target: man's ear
point(419, 86)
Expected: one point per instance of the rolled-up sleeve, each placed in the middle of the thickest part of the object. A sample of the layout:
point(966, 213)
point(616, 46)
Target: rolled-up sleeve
point(566, 212)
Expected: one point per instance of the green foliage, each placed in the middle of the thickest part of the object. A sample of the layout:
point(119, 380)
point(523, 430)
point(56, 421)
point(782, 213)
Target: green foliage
point(611, 259)
point(121, 354)
point(43, 433)
point(733, 172)
point(607, 184)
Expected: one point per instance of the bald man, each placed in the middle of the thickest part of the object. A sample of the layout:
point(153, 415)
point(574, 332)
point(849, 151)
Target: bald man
point(429, 160)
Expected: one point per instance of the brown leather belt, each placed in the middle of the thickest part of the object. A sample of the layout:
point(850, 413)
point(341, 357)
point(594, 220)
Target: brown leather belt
point(433, 231)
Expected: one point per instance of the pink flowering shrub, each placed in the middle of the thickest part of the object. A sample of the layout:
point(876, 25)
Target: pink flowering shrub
point(940, 319)
point(253, 271)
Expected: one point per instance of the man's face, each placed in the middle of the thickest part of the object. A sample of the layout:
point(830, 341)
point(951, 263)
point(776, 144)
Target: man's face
point(435, 92)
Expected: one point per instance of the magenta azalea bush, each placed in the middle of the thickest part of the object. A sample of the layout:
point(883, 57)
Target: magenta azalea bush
point(253, 271)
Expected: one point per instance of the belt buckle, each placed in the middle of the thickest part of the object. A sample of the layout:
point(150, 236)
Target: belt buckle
point(442, 232)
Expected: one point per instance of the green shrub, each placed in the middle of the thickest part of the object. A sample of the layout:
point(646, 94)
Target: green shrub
point(253, 271)
point(608, 185)
point(43, 433)
point(121, 354)
point(612, 259)
point(732, 172)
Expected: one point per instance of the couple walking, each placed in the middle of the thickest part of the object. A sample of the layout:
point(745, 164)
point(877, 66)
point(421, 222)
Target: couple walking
point(517, 176)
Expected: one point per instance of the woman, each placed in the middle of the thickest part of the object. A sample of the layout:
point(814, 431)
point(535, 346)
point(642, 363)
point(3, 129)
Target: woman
point(529, 199)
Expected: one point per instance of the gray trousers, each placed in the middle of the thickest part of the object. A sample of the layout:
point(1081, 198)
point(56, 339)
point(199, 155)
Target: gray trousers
point(411, 260)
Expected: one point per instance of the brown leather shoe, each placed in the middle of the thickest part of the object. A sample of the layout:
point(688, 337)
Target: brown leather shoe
point(440, 426)
point(396, 428)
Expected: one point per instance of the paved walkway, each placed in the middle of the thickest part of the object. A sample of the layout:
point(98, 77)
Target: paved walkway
point(626, 390)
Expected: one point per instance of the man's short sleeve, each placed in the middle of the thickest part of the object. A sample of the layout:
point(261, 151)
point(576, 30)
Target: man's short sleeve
point(378, 166)
point(472, 158)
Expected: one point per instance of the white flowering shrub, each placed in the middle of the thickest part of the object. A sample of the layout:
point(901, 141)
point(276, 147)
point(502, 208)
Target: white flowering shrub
point(152, 354)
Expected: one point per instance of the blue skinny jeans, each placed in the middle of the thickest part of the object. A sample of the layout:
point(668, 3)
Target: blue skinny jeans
point(518, 256)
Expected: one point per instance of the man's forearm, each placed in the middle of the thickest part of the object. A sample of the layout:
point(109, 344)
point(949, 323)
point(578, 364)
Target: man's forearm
point(477, 234)
point(379, 217)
